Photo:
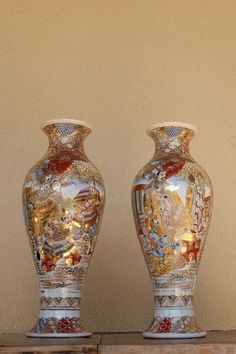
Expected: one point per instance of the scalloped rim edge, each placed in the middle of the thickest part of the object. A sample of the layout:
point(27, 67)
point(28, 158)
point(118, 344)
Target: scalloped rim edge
point(65, 120)
point(175, 335)
point(59, 335)
point(172, 124)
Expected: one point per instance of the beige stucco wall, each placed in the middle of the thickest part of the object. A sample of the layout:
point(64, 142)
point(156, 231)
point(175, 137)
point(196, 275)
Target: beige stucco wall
point(121, 65)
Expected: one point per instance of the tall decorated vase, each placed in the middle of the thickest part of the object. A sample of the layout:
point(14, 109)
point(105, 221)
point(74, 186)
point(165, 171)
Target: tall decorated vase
point(172, 202)
point(63, 200)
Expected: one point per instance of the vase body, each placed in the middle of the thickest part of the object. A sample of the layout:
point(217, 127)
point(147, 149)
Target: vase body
point(172, 202)
point(63, 200)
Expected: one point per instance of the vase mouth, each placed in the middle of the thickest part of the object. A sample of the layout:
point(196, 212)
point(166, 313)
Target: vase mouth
point(66, 121)
point(171, 124)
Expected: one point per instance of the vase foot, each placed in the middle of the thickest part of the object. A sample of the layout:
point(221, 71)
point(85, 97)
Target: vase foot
point(178, 326)
point(58, 327)
point(174, 335)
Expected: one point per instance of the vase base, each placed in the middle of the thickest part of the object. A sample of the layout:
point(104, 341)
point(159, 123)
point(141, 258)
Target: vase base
point(64, 325)
point(174, 335)
point(58, 335)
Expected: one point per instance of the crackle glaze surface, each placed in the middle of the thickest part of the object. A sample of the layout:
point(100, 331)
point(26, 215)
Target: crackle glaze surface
point(172, 201)
point(63, 200)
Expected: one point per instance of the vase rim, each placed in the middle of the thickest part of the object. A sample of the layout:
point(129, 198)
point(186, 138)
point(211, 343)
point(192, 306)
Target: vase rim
point(66, 120)
point(172, 124)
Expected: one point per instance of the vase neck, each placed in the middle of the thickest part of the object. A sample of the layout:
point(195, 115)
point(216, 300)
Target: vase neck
point(66, 139)
point(172, 141)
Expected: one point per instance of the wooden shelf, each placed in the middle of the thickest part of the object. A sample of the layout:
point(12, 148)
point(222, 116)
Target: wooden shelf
point(20, 344)
point(216, 342)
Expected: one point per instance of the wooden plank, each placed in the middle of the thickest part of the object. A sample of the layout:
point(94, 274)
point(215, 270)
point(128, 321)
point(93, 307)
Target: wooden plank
point(213, 337)
point(168, 349)
point(134, 343)
point(19, 351)
point(119, 343)
point(18, 344)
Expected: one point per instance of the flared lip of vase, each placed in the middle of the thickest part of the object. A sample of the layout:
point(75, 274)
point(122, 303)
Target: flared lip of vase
point(66, 120)
point(171, 124)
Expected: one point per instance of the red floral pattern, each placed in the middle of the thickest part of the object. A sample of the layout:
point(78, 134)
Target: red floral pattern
point(73, 258)
point(59, 166)
point(48, 262)
point(172, 167)
point(192, 250)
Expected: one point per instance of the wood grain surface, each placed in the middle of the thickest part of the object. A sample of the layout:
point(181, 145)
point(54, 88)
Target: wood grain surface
point(134, 343)
point(120, 343)
point(20, 344)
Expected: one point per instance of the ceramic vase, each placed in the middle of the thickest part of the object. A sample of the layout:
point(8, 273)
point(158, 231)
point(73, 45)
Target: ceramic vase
point(172, 202)
point(63, 200)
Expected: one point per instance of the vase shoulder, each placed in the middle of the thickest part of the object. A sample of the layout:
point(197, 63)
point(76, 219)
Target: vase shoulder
point(165, 167)
point(59, 167)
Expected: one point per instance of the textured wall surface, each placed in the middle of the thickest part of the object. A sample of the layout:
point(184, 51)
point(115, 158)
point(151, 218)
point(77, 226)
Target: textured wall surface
point(121, 65)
